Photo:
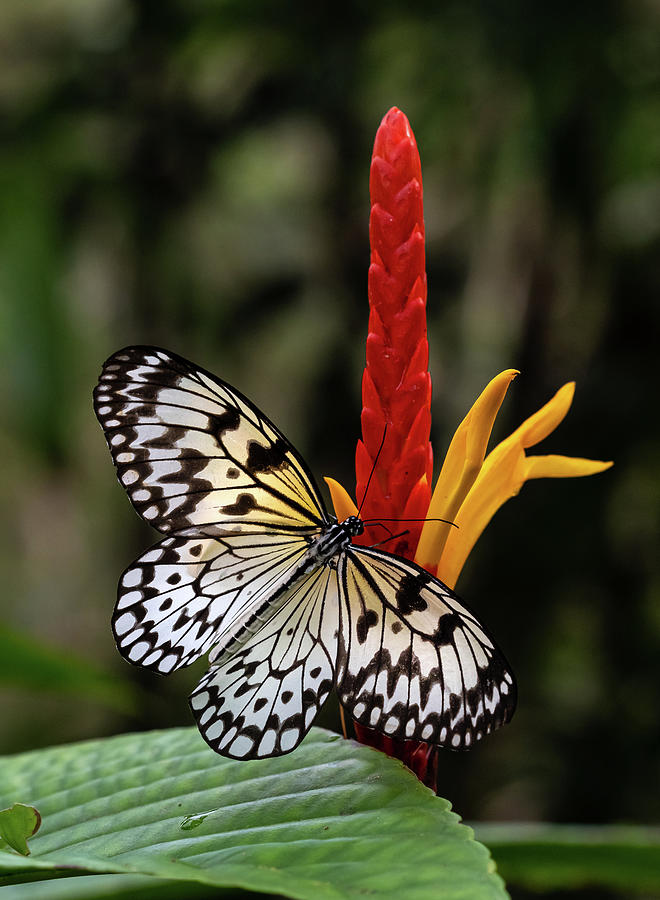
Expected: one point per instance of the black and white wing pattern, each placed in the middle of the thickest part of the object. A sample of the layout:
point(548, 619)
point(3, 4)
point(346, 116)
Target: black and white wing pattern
point(193, 453)
point(414, 662)
point(253, 571)
point(262, 693)
point(204, 465)
point(179, 597)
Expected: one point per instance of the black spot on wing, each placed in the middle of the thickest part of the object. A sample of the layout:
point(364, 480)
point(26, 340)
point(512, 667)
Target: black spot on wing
point(244, 504)
point(408, 596)
point(226, 421)
point(367, 620)
point(444, 633)
point(266, 459)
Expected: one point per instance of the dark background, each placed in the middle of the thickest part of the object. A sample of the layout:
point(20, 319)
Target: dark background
point(195, 175)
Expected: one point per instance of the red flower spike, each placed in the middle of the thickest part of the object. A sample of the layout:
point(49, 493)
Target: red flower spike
point(396, 386)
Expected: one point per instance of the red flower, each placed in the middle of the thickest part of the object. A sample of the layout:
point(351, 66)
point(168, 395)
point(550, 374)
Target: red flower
point(396, 386)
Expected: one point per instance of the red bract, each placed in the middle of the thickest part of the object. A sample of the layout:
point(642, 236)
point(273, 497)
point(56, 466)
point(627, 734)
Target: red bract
point(396, 386)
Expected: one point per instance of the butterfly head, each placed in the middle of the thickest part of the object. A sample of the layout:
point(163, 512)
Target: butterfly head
point(353, 526)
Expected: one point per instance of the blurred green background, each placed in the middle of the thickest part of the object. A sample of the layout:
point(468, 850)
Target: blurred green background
point(195, 174)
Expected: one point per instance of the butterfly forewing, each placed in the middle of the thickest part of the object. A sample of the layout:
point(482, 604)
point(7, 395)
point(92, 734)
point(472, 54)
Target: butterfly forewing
point(262, 694)
point(413, 661)
point(193, 453)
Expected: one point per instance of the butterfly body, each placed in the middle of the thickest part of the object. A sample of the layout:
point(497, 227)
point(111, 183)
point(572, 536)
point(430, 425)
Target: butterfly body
point(254, 571)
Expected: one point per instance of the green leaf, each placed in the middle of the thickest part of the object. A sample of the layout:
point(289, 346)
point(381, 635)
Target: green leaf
point(549, 857)
point(26, 663)
point(120, 887)
point(332, 820)
point(17, 824)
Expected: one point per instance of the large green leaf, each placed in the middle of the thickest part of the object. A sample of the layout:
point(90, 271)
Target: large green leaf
point(332, 820)
point(539, 856)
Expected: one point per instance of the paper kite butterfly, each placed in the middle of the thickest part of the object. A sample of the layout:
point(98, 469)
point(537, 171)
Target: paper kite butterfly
point(254, 571)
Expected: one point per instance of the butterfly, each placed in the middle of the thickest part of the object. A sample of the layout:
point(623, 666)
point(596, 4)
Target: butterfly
point(254, 571)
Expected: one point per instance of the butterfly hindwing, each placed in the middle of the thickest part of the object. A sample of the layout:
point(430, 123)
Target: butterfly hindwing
point(262, 694)
point(413, 661)
point(177, 600)
point(193, 453)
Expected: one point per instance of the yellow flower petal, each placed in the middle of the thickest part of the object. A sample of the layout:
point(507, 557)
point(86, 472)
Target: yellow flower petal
point(341, 500)
point(502, 475)
point(552, 466)
point(460, 468)
point(542, 423)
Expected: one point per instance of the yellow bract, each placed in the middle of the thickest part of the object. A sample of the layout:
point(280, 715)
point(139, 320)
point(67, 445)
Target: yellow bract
point(471, 486)
point(460, 469)
point(503, 473)
point(341, 500)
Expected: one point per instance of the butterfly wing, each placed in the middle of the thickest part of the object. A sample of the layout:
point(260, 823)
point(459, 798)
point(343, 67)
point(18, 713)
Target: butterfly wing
point(413, 661)
point(181, 597)
point(262, 694)
point(195, 455)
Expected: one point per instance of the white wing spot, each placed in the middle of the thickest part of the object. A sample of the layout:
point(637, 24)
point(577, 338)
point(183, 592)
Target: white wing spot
point(167, 663)
point(132, 578)
point(208, 713)
point(137, 651)
point(392, 724)
point(289, 739)
point(117, 439)
point(199, 701)
point(124, 623)
point(242, 746)
point(267, 744)
point(214, 732)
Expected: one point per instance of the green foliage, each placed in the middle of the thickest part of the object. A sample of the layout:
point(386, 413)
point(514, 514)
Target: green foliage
point(18, 823)
point(564, 857)
point(333, 820)
point(26, 663)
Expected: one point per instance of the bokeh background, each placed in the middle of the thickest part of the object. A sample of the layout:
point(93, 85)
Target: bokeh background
point(195, 174)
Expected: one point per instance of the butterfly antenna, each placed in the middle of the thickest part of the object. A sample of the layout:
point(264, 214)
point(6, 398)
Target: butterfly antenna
point(373, 469)
point(380, 521)
point(392, 537)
